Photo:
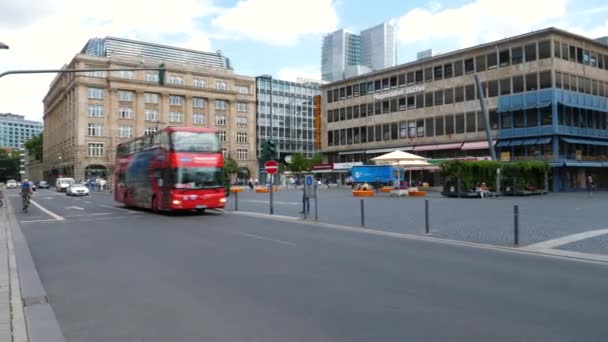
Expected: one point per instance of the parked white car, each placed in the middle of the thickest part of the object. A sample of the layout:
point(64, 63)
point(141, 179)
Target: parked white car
point(76, 189)
point(11, 184)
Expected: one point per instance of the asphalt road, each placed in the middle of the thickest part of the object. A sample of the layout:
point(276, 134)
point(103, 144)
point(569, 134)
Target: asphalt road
point(116, 275)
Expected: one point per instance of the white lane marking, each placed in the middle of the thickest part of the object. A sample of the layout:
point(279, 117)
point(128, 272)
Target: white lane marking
point(567, 239)
point(102, 218)
point(275, 202)
point(33, 221)
point(89, 202)
point(46, 211)
point(86, 215)
point(116, 208)
point(74, 207)
point(264, 238)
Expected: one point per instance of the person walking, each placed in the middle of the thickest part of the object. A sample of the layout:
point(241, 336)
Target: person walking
point(305, 202)
point(590, 186)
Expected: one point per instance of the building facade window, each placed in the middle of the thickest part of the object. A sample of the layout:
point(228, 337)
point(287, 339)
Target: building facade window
point(198, 118)
point(95, 93)
point(220, 104)
point(220, 120)
point(225, 152)
point(126, 74)
point(198, 102)
point(125, 131)
point(176, 100)
point(96, 111)
point(126, 96)
point(151, 115)
point(241, 107)
point(97, 74)
point(151, 98)
point(241, 122)
point(242, 154)
point(125, 113)
point(175, 116)
point(149, 130)
point(176, 80)
point(199, 83)
point(95, 150)
point(151, 76)
point(221, 85)
point(241, 137)
point(95, 130)
point(221, 136)
point(242, 89)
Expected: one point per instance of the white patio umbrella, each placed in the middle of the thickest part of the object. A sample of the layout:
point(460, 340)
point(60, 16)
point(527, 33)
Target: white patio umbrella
point(398, 155)
point(401, 158)
point(408, 164)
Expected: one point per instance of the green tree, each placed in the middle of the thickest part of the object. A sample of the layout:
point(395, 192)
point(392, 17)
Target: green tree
point(34, 146)
point(231, 167)
point(298, 163)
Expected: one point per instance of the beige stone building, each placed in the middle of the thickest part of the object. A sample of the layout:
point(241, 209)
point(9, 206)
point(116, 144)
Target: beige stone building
point(87, 114)
point(546, 92)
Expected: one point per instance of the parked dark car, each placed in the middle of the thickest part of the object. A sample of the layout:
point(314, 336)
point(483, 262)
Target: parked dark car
point(43, 185)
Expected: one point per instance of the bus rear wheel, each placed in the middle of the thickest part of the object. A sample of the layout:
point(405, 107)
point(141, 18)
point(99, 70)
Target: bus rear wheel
point(154, 205)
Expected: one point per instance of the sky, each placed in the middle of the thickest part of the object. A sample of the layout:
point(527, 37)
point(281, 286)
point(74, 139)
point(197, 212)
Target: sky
point(278, 37)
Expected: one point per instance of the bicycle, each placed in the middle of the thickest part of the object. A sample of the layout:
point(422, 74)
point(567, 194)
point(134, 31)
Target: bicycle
point(25, 201)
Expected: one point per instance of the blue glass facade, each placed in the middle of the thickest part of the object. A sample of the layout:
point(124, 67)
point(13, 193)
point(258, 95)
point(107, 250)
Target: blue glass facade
point(15, 130)
point(567, 128)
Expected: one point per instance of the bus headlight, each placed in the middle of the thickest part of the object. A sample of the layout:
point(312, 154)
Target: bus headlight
point(177, 202)
point(222, 200)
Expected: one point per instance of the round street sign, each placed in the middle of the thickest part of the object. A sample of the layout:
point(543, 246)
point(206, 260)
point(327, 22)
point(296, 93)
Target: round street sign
point(271, 167)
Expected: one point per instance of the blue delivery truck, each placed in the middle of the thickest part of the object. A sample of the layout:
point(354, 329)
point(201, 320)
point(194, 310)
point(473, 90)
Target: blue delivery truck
point(385, 174)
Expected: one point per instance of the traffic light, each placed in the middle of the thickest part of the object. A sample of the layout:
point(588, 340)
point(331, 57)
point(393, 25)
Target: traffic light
point(161, 74)
point(269, 151)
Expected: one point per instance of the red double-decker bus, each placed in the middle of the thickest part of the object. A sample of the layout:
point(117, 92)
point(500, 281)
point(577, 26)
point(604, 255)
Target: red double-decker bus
point(177, 168)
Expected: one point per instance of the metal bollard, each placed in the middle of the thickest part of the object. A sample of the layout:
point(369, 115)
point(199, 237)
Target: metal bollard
point(426, 216)
point(516, 224)
point(362, 214)
point(236, 201)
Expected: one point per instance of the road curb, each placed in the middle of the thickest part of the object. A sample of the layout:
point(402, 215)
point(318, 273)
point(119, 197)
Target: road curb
point(558, 254)
point(40, 321)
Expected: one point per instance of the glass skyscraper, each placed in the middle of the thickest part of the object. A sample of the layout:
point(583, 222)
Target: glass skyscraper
point(292, 115)
point(15, 130)
point(345, 54)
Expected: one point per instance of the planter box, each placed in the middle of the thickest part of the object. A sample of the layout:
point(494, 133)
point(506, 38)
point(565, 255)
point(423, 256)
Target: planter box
point(363, 193)
point(417, 193)
point(386, 189)
point(236, 189)
point(264, 189)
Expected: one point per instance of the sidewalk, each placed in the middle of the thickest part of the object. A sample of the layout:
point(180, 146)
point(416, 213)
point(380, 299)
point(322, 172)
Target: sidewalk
point(22, 296)
point(12, 322)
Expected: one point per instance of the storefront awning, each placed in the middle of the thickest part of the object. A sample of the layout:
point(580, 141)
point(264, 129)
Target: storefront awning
point(391, 149)
point(585, 141)
point(476, 145)
point(454, 146)
point(349, 152)
point(323, 171)
point(519, 142)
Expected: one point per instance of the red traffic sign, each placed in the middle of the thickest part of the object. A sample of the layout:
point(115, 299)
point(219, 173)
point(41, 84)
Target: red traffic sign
point(271, 167)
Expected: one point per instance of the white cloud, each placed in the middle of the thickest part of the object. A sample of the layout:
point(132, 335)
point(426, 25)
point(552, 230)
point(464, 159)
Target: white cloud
point(293, 73)
point(61, 30)
point(278, 22)
point(478, 21)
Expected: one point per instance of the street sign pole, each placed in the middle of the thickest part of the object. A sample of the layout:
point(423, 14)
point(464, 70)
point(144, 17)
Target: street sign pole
point(271, 191)
point(271, 167)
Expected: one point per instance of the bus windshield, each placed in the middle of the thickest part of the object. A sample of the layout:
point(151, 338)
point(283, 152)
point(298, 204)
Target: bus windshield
point(198, 178)
point(194, 142)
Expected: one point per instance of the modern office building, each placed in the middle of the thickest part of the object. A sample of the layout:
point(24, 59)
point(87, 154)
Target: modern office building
point(345, 54)
point(15, 130)
point(292, 106)
point(424, 54)
point(379, 47)
point(546, 92)
point(87, 114)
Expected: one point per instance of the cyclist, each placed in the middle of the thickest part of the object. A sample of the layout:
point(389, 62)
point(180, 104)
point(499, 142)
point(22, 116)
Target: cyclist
point(26, 193)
